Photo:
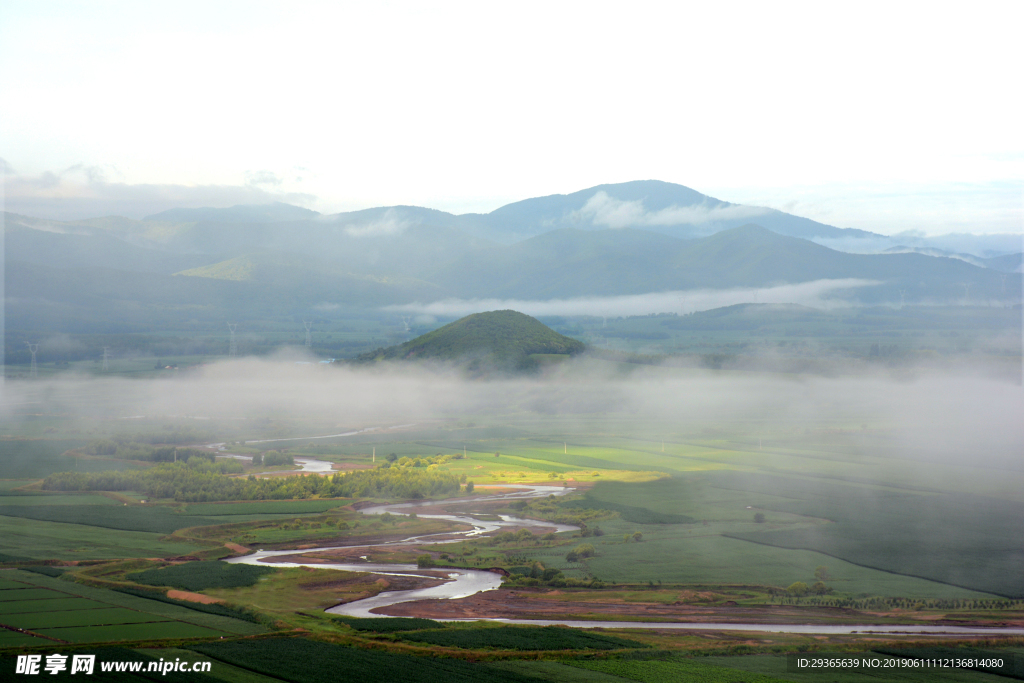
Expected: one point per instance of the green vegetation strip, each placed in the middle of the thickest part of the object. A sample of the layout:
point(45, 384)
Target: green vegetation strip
point(198, 576)
point(5, 557)
point(35, 458)
point(34, 621)
point(523, 638)
point(28, 593)
point(388, 624)
point(155, 519)
point(213, 608)
point(962, 540)
point(55, 605)
point(265, 507)
point(15, 639)
point(46, 571)
point(150, 603)
point(630, 513)
point(198, 481)
point(153, 631)
point(673, 671)
point(305, 661)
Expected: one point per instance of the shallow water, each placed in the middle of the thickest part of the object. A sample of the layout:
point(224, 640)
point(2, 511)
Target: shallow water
point(465, 582)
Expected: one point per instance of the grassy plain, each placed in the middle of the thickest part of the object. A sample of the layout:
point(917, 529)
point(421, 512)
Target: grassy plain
point(834, 494)
point(61, 611)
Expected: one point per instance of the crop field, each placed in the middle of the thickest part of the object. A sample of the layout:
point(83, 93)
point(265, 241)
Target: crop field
point(967, 541)
point(82, 614)
point(159, 520)
point(290, 658)
point(35, 458)
point(29, 538)
point(387, 624)
point(35, 498)
point(522, 638)
point(672, 671)
point(263, 507)
point(198, 576)
point(291, 590)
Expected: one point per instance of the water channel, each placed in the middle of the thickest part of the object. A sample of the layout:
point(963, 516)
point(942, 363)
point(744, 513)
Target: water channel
point(465, 582)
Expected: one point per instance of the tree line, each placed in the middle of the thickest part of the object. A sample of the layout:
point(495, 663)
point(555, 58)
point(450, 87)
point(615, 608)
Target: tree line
point(199, 481)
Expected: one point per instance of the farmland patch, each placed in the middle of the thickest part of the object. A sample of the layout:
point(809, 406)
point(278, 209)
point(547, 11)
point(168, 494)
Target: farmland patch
point(198, 576)
point(152, 631)
point(522, 638)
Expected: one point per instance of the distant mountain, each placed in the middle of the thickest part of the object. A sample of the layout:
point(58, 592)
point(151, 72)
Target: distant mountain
point(71, 250)
point(242, 213)
point(1008, 263)
point(644, 204)
point(497, 339)
point(576, 263)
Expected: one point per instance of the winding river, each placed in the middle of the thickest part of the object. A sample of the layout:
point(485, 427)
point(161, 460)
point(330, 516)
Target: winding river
point(465, 582)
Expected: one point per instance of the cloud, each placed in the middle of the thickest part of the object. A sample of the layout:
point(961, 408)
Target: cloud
point(616, 213)
point(817, 294)
point(80, 192)
point(256, 178)
point(388, 224)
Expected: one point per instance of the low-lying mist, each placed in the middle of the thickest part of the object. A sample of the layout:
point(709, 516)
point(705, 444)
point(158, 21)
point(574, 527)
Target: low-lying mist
point(956, 418)
point(815, 294)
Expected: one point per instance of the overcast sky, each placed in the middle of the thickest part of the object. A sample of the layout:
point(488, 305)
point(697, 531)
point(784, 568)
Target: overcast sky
point(885, 117)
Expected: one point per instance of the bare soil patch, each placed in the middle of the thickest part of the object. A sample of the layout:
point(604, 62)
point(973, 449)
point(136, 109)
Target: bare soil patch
point(192, 597)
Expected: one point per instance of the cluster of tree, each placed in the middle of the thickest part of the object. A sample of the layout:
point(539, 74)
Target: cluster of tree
point(580, 552)
point(272, 458)
point(559, 510)
point(201, 481)
point(392, 460)
point(799, 589)
point(133, 450)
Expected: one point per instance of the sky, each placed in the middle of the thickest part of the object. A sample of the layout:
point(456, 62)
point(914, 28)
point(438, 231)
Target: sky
point(879, 116)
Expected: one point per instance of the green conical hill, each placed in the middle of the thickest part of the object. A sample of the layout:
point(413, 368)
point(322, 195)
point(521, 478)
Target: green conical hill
point(506, 338)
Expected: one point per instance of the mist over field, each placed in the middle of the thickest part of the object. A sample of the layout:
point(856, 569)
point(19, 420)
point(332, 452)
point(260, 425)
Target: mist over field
point(958, 417)
point(817, 294)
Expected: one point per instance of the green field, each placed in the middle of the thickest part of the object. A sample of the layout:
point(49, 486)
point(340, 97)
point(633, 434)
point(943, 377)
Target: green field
point(263, 507)
point(671, 671)
point(198, 576)
point(29, 538)
point(76, 613)
point(290, 658)
point(522, 638)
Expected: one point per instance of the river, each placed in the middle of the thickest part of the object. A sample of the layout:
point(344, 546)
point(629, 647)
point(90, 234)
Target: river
point(465, 582)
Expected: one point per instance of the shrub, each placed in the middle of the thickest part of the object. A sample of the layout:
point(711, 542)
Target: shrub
point(797, 589)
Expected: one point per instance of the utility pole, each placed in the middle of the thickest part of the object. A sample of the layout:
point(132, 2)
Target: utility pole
point(106, 357)
point(232, 345)
point(33, 369)
point(309, 338)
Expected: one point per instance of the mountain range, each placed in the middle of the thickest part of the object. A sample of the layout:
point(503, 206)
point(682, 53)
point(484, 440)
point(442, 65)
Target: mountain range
point(198, 265)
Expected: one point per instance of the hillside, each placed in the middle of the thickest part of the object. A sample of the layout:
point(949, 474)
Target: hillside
point(653, 205)
point(504, 339)
point(576, 263)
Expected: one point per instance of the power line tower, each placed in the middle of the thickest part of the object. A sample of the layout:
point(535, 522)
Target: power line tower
point(309, 338)
point(33, 369)
point(233, 344)
point(106, 356)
